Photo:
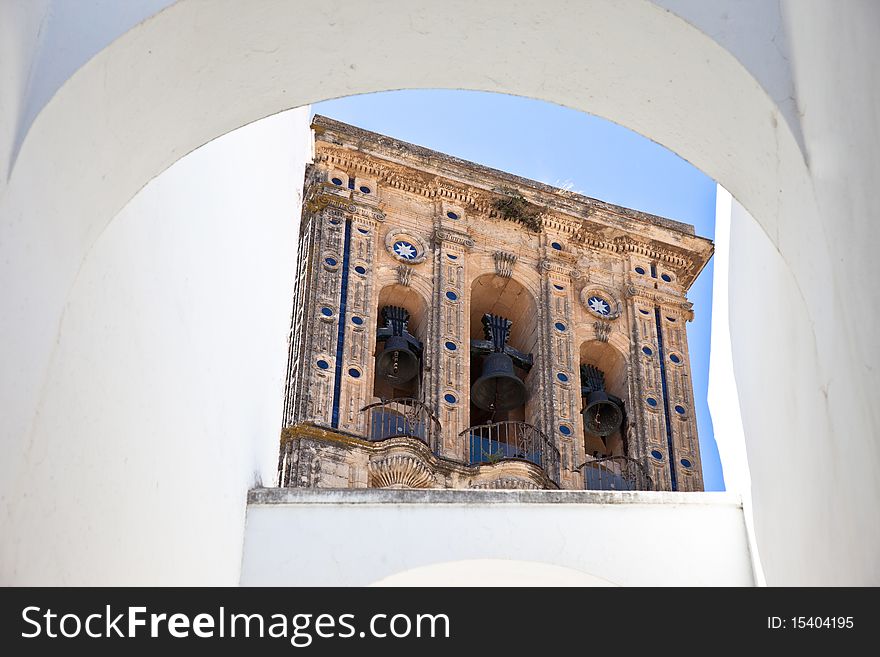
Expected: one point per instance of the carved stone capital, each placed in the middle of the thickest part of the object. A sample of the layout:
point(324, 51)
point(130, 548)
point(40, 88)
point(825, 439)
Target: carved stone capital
point(561, 268)
point(321, 198)
point(454, 236)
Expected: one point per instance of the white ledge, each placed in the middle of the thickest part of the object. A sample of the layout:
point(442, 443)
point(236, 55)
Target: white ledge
point(378, 496)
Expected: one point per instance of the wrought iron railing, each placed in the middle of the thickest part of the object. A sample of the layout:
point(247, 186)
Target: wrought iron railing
point(616, 473)
point(402, 417)
point(490, 443)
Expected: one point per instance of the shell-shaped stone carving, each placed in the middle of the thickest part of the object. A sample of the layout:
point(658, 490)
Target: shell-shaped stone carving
point(506, 483)
point(399, 471)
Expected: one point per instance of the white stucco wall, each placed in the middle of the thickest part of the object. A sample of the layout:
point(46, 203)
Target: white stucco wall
point(305, 537)
point(793, 136)
point(723, 393)
point(129, 476)
point(46, 41)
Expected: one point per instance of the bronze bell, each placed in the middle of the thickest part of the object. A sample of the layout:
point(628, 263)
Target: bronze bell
point(498, 388)
point(602, 416)
point(399, 360)
point(397, 364)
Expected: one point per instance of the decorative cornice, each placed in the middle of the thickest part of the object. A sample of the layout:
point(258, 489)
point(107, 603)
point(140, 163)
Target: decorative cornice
point(678, 259)
point(340, 134)
point(585, 221)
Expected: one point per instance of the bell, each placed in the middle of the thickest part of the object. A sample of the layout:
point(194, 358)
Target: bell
point(602, 416)
point(498, 388)
point(397, 364)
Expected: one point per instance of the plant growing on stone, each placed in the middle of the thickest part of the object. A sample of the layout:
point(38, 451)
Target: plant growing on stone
point(512, 206)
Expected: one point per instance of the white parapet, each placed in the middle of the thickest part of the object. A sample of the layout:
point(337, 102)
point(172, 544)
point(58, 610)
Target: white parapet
point(308, 537)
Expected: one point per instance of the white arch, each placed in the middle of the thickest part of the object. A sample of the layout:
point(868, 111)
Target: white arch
point(198, 70)
point(492, 572)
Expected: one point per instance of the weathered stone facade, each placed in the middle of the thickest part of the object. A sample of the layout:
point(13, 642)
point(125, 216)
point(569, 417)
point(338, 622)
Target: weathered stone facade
point(583, 282)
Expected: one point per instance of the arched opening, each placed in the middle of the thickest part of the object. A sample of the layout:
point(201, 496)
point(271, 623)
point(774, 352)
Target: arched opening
point(500, 297)
point(391, 354)
point(603, 358)
point(493, 572)
point(706, 105)
point(503, 336)
point(396, 408)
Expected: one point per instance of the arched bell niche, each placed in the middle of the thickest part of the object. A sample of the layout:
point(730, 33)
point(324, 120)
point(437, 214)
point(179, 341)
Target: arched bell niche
point(606, 359)
point(414, 309)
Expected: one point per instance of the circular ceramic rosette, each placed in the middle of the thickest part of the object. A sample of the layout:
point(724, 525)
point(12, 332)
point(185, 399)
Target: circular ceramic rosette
point(600, 303)
point(405, 247)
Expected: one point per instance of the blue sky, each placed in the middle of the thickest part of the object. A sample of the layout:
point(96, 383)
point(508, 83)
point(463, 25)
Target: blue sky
point(569, 149)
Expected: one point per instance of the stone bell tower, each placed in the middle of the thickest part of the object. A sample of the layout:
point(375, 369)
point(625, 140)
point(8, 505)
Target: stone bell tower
point(455, 326)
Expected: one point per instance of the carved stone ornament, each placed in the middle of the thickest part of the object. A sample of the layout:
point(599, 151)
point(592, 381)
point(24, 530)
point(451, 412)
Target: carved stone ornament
point(404, 275)
point(603, 330)
point(400, 471)
point(453, 236)
point(504, 263)
point(506, 483)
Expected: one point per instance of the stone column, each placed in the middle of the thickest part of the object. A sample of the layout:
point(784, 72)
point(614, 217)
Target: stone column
point(559, 369)
point(360, 319)
point(680, 396)
point(327, 214)
point(450, 348)
point(662, 394)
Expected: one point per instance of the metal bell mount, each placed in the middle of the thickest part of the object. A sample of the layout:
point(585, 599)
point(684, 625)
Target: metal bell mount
point(499, 388)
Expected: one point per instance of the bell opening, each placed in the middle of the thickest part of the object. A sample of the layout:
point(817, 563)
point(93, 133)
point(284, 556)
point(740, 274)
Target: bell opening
point(400, 330)
point(498, 383)
point(603, 400)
